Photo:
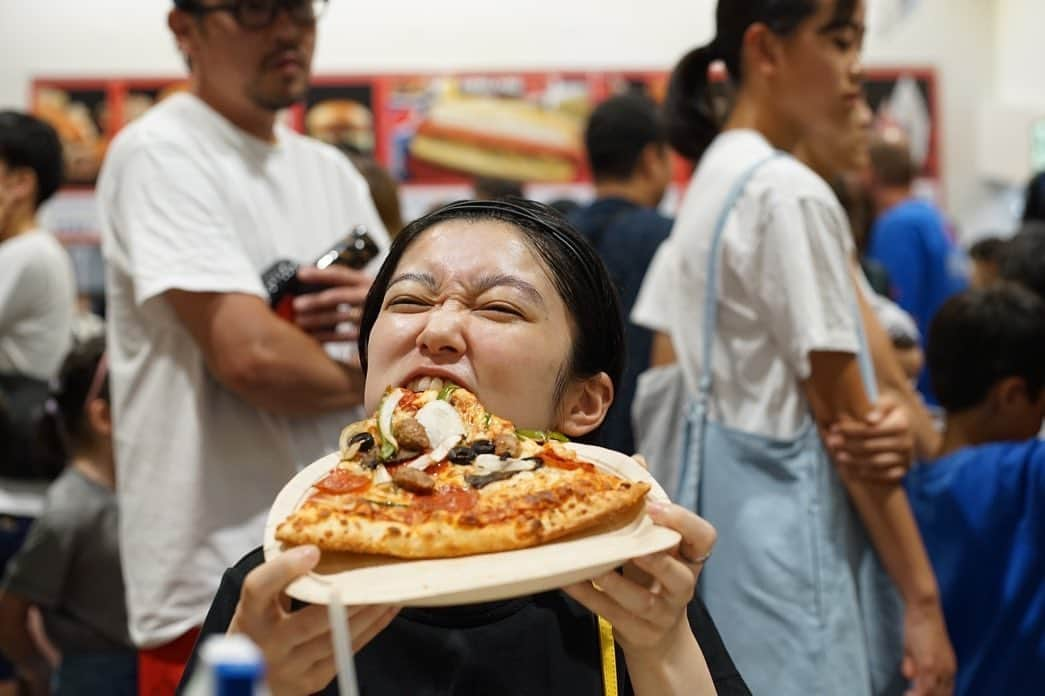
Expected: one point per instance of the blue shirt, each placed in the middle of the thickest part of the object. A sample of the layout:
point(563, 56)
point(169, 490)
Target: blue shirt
point(981, 512)
point(924, 266)
point(626, 235)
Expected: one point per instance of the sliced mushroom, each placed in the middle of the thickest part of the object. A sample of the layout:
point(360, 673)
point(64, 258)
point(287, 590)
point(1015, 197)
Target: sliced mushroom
point(506, 444)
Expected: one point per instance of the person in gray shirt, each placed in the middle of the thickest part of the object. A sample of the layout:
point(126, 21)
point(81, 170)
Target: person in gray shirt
point(69, 566)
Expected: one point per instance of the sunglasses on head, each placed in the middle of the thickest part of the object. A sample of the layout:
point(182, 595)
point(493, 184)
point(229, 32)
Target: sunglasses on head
point(259, 14)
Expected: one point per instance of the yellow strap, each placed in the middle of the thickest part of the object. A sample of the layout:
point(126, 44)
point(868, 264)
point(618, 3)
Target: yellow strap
point(609, 658)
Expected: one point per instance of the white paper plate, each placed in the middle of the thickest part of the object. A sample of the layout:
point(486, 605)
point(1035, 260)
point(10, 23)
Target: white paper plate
point(366, 579)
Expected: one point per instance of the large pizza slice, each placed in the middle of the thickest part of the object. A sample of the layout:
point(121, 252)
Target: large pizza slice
point(433, 474)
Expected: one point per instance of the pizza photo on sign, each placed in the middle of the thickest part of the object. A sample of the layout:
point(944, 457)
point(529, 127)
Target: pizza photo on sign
point(434, 478)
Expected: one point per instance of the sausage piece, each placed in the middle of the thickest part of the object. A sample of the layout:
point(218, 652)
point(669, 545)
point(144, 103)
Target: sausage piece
point(413, 480)
point(411, 435)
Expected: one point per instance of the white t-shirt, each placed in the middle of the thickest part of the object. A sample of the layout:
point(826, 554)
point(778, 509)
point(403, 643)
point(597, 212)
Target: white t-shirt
point(37, 304)
point(785, 288)
point(188, 201)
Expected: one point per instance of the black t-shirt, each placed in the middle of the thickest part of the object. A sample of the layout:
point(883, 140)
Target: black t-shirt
point(626, 235)
point(545, 644)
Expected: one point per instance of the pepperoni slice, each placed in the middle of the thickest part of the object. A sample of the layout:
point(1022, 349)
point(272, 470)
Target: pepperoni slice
point(340, 481)
point(451, 500)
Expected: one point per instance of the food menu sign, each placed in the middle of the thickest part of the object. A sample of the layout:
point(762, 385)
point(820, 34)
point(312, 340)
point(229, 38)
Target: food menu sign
point(428, 129)
point(445, 129)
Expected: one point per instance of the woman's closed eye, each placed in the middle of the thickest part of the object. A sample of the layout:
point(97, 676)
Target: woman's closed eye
point(501, 310)
point(408, 303)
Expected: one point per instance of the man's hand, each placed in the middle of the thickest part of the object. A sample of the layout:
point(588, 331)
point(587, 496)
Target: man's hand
point(332, 315)
point(298, 648)
point(880, 448)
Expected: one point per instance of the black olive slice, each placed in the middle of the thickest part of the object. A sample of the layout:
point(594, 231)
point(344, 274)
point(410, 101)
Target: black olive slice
point(365, 440)
point(483, 447)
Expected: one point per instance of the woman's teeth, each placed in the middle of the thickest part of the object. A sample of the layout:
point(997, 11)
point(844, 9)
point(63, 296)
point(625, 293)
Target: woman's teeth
point(420, 384)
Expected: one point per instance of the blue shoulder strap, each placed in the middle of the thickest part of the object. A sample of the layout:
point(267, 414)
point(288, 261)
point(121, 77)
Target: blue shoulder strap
point(711, 293)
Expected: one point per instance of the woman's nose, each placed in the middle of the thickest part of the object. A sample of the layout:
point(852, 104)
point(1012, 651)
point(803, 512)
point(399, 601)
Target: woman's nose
point(443, 333)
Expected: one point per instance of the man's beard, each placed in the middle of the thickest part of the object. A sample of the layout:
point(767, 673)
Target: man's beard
point(276, 99)
point(271, 101)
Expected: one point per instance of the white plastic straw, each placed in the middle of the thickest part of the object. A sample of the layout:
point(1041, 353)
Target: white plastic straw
point(346, 668)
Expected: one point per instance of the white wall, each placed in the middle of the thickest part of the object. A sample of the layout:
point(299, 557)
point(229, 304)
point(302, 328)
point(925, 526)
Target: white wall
point(1021, 54)
point(128, 37)
point(958, 38)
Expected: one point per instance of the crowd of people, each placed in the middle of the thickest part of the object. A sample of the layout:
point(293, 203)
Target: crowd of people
point(844, 405)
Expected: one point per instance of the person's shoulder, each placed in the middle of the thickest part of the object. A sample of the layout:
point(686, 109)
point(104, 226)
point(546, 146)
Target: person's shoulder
point(35, 251)
point(990, 460)
point(171, 121)
point(321, 156)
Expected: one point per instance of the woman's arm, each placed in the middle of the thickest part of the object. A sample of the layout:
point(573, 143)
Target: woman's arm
point(892, 378)
point(836, 394)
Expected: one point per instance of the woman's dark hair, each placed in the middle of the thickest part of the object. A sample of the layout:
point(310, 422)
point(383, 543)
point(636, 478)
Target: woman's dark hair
point(982, 336)
point(1034, 208)
point(690, 114)
point(65, 428)
point(572, 263)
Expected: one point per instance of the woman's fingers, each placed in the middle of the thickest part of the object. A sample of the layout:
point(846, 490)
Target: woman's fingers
point(674, 579)
point(627, 626)
point(263, 586)
point(698, 536)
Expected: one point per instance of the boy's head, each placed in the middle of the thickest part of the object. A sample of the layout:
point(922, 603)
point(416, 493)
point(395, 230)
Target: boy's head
point(30, 165)
point(1023, 261)
point(986, 255)
point(985, 355)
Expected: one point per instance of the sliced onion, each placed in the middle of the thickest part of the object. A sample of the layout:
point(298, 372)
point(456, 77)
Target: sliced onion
point(348, 432)
point(384, 419)
point(440, 453)
point(489, 463)
point(441, 421)
point(421, 463)
point(381, 475)
point(520, 465)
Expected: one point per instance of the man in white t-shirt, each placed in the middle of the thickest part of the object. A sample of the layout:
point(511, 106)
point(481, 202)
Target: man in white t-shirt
point(218, 400)
point(37, 300)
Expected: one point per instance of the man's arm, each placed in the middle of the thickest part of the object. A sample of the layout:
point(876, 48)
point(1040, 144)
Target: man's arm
point(16, 643)
point(268, 362)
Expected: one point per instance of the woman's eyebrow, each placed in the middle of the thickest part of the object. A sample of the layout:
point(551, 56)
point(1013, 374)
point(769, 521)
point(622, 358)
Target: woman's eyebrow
point(842, 24)
point(426, 279)
point(503, 279)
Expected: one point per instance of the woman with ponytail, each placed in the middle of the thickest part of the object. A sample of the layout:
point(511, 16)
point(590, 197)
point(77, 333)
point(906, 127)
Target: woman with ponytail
point(69, 566)
point(755, 284)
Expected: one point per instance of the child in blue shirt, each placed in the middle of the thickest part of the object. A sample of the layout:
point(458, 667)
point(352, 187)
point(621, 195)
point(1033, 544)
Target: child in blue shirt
point(980, 505)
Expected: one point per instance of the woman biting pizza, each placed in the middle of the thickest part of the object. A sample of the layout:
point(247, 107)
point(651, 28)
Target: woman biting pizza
point(507, 301)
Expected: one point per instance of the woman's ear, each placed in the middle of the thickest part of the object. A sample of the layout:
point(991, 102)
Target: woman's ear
point(99, 419)
point(584, 405)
